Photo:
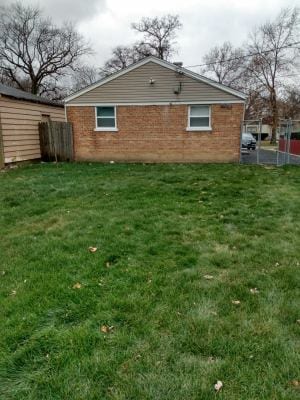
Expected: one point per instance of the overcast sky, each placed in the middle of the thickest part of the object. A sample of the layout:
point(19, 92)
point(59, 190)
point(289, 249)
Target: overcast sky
point(206, 23)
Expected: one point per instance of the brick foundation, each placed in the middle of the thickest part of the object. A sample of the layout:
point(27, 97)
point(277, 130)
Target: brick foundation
point(157, 134)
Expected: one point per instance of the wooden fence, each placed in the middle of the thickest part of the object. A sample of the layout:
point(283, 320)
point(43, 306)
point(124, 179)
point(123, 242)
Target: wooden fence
point(56, 141)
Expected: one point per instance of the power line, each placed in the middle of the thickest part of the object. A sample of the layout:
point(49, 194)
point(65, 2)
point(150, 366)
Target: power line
point(241, 57)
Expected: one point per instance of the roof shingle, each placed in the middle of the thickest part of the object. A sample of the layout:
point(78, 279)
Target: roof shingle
point(21, 95)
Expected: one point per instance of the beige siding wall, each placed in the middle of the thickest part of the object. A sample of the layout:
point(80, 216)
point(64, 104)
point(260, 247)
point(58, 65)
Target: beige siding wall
point(19, 123)
point(134, 87)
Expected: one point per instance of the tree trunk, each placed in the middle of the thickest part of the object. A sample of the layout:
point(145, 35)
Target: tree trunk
point(34, 86)
point(34, 89)
point(273, 101)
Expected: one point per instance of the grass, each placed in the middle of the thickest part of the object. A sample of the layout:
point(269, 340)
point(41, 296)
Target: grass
point(159, 229)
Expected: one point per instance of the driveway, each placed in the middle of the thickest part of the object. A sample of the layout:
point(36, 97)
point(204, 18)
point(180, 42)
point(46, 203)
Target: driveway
point(268, 157)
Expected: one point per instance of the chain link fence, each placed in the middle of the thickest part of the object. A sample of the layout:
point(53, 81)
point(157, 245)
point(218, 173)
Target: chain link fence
point(261, 151)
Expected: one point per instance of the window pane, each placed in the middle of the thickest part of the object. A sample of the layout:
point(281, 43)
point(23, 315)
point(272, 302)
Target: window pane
point(105, 111)
point(105, 122)
point(199, 122)
point(199, 111)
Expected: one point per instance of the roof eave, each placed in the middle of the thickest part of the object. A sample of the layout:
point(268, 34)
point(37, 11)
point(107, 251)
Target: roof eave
point(48, 103)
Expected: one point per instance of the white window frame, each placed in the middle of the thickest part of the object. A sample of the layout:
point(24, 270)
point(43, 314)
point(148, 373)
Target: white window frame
point(106, 128)
point(199, 128)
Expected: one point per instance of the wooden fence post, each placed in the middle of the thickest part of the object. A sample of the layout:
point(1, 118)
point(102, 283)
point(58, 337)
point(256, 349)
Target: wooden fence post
point(56, 140)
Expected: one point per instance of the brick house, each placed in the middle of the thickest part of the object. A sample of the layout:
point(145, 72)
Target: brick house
point(156, 111)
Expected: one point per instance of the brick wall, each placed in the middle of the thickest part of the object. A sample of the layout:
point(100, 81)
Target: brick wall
point(157, 134)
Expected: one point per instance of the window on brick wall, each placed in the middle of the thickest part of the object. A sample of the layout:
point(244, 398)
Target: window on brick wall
point(106, 118)
point(199, 118)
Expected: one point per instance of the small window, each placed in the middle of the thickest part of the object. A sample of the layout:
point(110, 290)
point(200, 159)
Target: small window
point(199, 118)
point(106, 118)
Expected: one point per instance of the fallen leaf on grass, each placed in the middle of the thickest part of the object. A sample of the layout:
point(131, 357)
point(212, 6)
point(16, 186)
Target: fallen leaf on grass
point(218, 386)
point(13, 292)
point(92, 249)
point(268, 167)
point(298, 321)
point(254, 290)
point(107, 264)
point(237, 302)
point(208, 277)
point(77, 285)
point(106, 328)
point(295, 383)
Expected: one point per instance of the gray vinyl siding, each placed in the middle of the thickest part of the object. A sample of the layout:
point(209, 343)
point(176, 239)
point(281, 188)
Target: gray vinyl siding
point(134, 87)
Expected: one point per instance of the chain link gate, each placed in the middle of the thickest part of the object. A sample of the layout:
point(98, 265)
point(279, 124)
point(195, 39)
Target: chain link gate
point(286, 150)
point(288, 142)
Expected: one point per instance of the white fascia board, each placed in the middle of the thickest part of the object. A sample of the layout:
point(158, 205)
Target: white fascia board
point(162, 103)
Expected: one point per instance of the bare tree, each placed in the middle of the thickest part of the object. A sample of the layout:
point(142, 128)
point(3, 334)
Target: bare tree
point(228, 65)
point(34, 53)
point(83, 76)
point(289, 106)
point(158, 35)
point(158, 40)
point(225, 64)
point(122, 57)
point(275, 49)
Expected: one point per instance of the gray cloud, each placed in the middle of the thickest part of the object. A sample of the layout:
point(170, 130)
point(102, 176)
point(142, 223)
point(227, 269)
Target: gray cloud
point(106, 23)
point(66, 10)
point(76, 10)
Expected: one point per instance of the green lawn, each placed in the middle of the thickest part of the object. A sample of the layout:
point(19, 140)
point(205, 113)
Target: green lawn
point(159, 230)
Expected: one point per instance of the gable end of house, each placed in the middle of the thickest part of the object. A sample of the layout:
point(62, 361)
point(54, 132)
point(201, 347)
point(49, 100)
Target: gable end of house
point(155, 81)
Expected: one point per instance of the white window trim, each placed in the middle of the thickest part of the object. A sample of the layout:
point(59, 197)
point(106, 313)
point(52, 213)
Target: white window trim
point(106, 129)
point(199, 128)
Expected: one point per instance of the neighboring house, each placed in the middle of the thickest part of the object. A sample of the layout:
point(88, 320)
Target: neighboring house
point(20, 114)
point(254, 128)
point(156, 111)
